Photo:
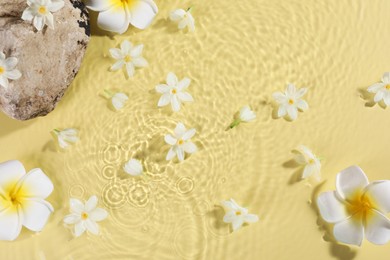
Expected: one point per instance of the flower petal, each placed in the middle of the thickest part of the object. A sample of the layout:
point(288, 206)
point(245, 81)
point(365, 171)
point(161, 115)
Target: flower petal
point(13, 74)
point(91, 204)
point(56, 5)
point(386, 98)
point(301, 92)
point(237, 224)
point(375, 88)
point(11, 63)
point(126, 47)
point(171, 79)
point(72, 219)
point(282, 111)
point(79, 228)
point(292, 112)
point(230, 204)
point(10, 224)
point(350, 182)
point(36, 184)
point(28, 15)
point(76, 206)
point(10, 173)
point(143, 13)
point(177, 15)
point(49, 20)
point(302, 104)
point(175, 103)
point(185, 97)
point(379, 191)
point(183, 84)
point(379, 96)
point(386, 78)
point(114, 20)
point(169, 139)
point(164, 100)
point(190, 22)
point(136, 51)
point(130, 69)
point(171, 154)
point(279, 97)
point(331, 208)
point(133, 167)
point(180, 130)
point(162, 88)
point(377, 229)
point(39, 22)
point(189, 134)
point(98, 214)
point(116, 53)
point(4, 81)
point(290, 90)
point(180, 153)
point(118, 65)
point(98, 5)
point(349, 231)
point(91, 226)
point(140, 62)
point(230, 217)
point(251, 218)
point(308, 171)
point(35, 213)
point(189, 147)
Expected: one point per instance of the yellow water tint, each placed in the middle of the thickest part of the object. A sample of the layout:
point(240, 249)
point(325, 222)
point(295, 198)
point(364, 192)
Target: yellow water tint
point(239, 55)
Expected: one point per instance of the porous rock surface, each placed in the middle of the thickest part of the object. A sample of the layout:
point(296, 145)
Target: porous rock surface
point(48, 60)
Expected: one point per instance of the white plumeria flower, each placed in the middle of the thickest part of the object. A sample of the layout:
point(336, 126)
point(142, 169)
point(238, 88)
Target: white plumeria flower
point(246, 115)
point(180, 142)
point(290, 101)
point(7, 70)
point(174, 92)
point(129, 56)
point(84, 216)
point(116, 15)
point(133, 167)
point(66, 137)
point(237, 215)
point(40, 12)
point(357, 208)
point(382, 90)
point(22, 199)
point(312, 165)
point(184, 18)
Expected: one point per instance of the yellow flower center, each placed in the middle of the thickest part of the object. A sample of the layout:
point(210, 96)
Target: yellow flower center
point(238, 213)
point(311, 161)
point(123, 3)
point(84, 216)
point(180, 142)
point(42, 10)
point(2, 70)
point(127, 58)
point(388, 87)
point(174, 91)
point(14, 197)
point(291, 101)
point(361, 207)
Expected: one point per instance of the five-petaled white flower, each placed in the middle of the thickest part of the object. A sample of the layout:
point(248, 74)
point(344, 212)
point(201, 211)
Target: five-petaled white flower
point(180, 142)
point(133, 167)
point(382, 90)
point(357, 208)
point(184, 18)
point(311, 163)
point(290, 101)
point(7, 70)
point(66, 136)
point(245, 115)
point(116, 15)
point(237, 215)
point(40, 12)
point(84, 216)
point(174, 92)
point(129, 56)
point(22, 199)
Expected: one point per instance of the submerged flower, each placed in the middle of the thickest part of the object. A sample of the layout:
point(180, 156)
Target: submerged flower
point(117, 100)
point(357, 208)
point(237, 215)
point(174, 92)
point(311, 163)
point(180, 142)
point(184, 18)
point(133, 167)
point(84, 216)
point(116, 15)
point(129, 56)
point(66, 137)
point(40, 12)
point(22, 199)
point(382, 90)
point(246, 115)
point(7, 70)
point(290, 101)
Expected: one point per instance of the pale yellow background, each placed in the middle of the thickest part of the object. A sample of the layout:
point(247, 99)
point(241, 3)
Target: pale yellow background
point(241, 52)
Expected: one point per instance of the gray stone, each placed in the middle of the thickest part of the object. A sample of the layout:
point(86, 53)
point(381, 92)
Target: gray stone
point(48, 60)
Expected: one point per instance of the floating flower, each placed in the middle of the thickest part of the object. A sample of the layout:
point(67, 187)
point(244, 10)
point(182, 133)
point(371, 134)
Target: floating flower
point(357, 208)
point(118, 100)
point(237, 215)
point(7, 70)
point(84, 216)
point(180, 142)
point(129, 56)
point(116, 15)
point(290, 101)
point(311, 163)
point(246, 115)
point(174, 92)
point(66, 137)
point(133, 167)
point(382, 90)
point(22, 199)
point(40, 12)
point(184, 18)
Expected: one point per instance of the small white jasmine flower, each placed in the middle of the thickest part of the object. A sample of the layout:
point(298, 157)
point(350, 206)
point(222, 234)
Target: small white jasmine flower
point(312, 165)
point(40, 12)
point(290, 101)
point(174, 92)
point(382, 90)
point(133, 167)
point(22, 199)
point(66, 137)
point(84, 216)
point(357, 208)
point(180, 142)
point(117, 100)
point(7, 70)
point(246, 115)
point(116, 15)
point(129, 56)
point(184, 18)
point(237, 215)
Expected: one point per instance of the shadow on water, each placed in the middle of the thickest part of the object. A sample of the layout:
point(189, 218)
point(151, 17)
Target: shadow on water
point(298, 170)
point(217, 214)
point(339, 251)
